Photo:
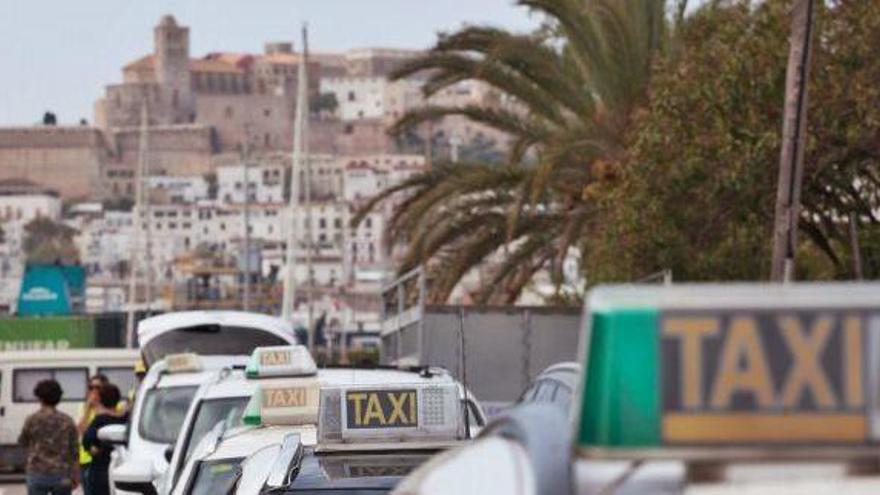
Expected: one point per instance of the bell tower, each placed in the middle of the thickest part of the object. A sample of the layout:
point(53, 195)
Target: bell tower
point(171, 57)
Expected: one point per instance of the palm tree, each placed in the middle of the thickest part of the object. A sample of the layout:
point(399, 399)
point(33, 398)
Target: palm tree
point(574, 86)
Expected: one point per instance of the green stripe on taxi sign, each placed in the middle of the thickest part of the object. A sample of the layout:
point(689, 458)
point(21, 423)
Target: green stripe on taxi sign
point(621, 400)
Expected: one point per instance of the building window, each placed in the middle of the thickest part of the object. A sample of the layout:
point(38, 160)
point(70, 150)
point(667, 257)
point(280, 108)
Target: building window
point(351, 96)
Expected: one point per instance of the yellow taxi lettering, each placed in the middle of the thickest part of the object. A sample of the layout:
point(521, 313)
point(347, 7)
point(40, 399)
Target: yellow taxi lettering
point(374, 410)
point(690, 333)
point(382, 409)
point(284, 397)
point(852, 362)
point(397, 407)
point(806, 373)
point(742, 344)
point(274, 358)
point(357, 399)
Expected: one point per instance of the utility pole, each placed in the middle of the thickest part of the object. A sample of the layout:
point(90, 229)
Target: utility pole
point(794, 126)
point(245, 160)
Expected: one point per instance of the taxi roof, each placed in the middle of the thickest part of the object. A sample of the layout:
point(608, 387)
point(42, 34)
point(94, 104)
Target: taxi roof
point(237, 385)
point(242, 442)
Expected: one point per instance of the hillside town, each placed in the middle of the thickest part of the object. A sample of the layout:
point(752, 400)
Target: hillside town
point(217, 145)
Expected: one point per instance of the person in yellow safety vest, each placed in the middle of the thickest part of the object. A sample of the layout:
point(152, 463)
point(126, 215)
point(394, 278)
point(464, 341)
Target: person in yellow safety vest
point(86, 415)
point(140, 371)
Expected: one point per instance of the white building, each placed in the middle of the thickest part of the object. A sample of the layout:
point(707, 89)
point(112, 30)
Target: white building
point(265, 183)
point(357, 97)
point(21, 201)
point(178, 189)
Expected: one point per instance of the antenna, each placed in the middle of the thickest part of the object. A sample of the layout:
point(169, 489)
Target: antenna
point(461, 340)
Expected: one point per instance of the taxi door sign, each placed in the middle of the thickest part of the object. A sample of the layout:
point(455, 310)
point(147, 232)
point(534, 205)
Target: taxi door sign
point(748, 365)
point(763, 376)
point(368, 409)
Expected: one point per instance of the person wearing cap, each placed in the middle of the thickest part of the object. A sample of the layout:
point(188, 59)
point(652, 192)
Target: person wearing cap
point(140, 371)
point(52, 444)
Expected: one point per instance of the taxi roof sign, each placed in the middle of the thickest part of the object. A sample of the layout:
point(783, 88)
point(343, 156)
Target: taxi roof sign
point(287, 402)
point(187, 362)
point(394, 413)
point(278, 361)
point(709, 369)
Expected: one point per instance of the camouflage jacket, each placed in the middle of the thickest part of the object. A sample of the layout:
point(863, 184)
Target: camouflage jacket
point(52, 442)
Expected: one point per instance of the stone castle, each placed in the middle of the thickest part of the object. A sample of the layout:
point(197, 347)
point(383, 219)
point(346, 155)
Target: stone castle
point(200, 110)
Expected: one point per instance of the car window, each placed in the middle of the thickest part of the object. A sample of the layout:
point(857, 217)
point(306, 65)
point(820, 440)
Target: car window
point(215, 477)
point(73, 383)
point(210, 412)
point(163, 413)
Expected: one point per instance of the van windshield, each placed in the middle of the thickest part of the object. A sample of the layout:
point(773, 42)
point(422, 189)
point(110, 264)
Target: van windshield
point(163, 413)
point(211, 340)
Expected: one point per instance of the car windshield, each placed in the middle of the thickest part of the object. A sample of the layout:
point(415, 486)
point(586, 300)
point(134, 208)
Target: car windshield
point(354, 474)
point(215, 477)
point(211, 412)
point(163, 413)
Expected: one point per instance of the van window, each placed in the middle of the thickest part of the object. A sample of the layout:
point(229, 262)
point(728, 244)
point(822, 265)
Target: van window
point(121, 376)
point(73, 381)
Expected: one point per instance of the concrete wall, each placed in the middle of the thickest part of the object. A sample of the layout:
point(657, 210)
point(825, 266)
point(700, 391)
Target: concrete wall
point(506, 347)
point(67, 159)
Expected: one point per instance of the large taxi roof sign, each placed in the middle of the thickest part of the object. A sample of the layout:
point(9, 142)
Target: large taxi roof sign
point(711, 370)
point(288, 402)
point(394, 413)
point(186, 362)
point(277, 361)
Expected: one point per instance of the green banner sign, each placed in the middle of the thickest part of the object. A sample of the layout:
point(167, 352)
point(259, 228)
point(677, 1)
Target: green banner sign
point(24, 334)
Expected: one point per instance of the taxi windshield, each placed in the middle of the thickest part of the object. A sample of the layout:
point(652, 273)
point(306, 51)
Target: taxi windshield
point(215, 477)
point(212, 411)
point(354, 473)
point(163, 413)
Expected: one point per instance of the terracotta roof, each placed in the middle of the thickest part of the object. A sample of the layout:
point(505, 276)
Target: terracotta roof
point(241, 60)
point(195, 65)
point(280, 58)
point(145, 62)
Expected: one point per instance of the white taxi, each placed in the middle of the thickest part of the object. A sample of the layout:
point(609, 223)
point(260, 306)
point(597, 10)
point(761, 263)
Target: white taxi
point(374, 425)
point(183, 350)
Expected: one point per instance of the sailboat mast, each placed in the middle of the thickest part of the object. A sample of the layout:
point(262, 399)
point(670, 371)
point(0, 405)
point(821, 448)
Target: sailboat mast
point(140, 222)
point(287, 303)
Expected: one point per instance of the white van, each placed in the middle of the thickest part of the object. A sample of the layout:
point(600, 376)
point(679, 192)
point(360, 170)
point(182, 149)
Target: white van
point(20, 371)
point(216, 341)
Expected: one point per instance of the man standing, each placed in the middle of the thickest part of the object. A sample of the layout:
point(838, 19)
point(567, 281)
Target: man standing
point(52, 444)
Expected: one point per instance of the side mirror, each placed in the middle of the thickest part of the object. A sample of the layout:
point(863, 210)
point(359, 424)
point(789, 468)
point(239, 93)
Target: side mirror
point(114, 434)
point(169, 453)
point(135, 477)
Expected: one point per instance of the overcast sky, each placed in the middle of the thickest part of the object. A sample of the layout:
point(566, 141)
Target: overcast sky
point(58, 54)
